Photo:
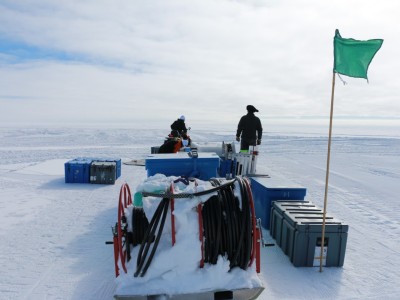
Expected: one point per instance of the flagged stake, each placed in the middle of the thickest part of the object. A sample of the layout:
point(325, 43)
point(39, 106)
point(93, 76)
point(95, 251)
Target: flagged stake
point(352, 57)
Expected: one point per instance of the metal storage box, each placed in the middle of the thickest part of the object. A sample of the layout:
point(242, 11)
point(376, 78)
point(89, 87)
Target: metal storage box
point(108, 159)
point(103, 172)
point(204, 167)
point(278, 210)
point(265, 190)
point(288, 227)
point(303, 235)
point(77, 170)
point(154, 150)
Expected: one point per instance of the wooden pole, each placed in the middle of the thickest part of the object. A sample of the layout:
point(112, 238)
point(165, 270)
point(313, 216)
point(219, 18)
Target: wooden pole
point(327, 174)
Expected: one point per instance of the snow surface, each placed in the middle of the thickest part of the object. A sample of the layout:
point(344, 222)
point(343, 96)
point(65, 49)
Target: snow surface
point(53, 233)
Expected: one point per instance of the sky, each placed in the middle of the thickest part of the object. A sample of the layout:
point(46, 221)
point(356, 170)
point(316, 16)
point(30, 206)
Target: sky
point(145, 63)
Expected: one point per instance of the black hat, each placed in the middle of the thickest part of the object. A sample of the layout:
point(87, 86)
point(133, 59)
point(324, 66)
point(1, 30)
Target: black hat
point(251, 108)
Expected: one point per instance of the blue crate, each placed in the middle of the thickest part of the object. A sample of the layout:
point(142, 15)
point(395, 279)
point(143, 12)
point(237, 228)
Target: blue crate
point(266, 190)
point(77, 170)
point(204, 167)
point(226, 167)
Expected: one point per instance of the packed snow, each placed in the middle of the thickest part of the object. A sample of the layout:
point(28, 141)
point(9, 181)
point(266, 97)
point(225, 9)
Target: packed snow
point(53, 234)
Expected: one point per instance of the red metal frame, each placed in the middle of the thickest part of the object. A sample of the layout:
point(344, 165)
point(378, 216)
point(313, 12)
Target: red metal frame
point(256, 239)
point(125, 199)
point(116, 249)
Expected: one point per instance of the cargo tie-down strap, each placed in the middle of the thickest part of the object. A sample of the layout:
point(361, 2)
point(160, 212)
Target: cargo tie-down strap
point(170, 195)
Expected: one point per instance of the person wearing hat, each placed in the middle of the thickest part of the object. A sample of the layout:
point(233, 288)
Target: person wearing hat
point(249, 130)
point(179, 127)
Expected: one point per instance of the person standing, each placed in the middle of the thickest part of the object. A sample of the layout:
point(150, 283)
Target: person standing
point(249, 130)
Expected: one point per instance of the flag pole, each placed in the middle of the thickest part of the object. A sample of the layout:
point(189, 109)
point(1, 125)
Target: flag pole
point(327, 174)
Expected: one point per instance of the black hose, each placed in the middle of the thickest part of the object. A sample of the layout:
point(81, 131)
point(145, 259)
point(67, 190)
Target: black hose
point(149, 232)
point(139, 224)
point(158, 236)
point(227, 227)
point(149, 236)
point(247, 241)
point(238, 256)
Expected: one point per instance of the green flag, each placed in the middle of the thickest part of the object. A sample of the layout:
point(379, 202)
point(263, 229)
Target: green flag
point(352, 57)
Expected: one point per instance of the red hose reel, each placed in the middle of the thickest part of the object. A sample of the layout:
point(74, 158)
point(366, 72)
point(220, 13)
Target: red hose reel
point(121, 227)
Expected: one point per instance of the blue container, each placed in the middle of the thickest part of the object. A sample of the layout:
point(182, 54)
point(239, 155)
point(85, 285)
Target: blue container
point(77, 170)
point(266, 190)
point(204, 167)
point(226, 167)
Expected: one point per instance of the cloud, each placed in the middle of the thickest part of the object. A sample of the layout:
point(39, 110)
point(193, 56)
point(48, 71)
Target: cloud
point(150, 61)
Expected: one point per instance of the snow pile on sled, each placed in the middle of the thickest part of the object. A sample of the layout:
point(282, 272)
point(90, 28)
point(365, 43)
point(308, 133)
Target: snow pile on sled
point(175, 269)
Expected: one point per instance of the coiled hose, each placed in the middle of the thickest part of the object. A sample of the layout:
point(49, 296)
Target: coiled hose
point(227, 227)
point(142, 264)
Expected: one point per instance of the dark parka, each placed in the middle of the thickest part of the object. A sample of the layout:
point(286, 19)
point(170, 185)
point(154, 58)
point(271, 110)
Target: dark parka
point(249, 128)
point(178, 127)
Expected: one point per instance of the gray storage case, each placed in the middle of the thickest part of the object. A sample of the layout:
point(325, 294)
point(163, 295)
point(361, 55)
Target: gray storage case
point(103, 172)
point(297, 229)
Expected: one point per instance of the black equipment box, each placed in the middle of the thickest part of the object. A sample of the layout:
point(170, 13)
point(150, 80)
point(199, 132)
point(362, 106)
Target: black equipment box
point(103, 172)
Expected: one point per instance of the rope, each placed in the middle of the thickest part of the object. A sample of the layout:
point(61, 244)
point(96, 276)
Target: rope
point(169, 195)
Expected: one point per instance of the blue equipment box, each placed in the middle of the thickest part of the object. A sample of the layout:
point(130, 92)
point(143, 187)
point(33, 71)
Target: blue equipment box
point(77, 170)
point(226, 167)
point(204, 166)
point(265, 190)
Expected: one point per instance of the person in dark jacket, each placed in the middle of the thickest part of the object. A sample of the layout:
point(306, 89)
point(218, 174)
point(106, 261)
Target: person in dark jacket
point(178, 128)
point(171, 146)
point(249, 129)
